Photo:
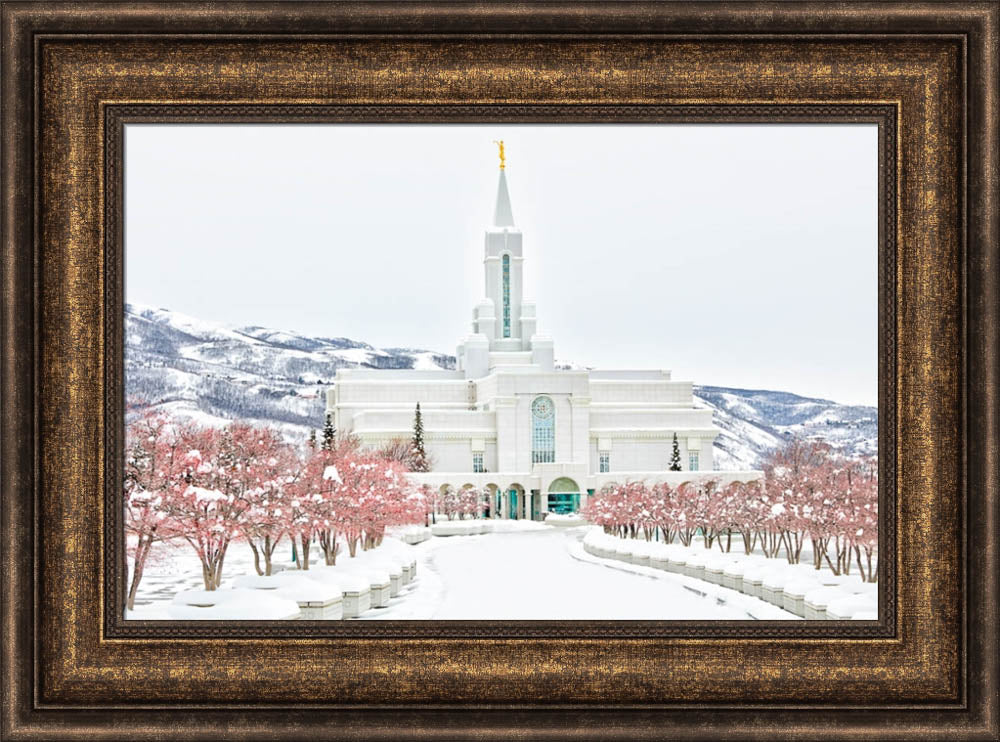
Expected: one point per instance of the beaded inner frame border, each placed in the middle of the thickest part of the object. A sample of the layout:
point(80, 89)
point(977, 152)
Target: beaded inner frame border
point(119, 116)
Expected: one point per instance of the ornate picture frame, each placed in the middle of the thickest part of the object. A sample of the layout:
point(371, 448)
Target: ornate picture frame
point(74, 75)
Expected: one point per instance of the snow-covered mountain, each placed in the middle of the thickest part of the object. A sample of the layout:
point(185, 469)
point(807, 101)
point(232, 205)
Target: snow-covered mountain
point(213, 373)
point(754, 422)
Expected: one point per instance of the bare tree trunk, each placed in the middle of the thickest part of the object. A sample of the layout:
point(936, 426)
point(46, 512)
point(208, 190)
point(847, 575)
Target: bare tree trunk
point(784, 542)
point(268, 551)
point(305, 551)
point(217, 571)
point(709, 536)
point(773, 541)
point(834, 569)
point(798, 538)
point(141, 552)
point(256, 557)
point(328, 544)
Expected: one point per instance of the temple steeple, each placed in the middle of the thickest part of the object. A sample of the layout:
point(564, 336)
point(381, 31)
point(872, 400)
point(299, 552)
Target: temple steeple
point(502, 214)
point(503, 324)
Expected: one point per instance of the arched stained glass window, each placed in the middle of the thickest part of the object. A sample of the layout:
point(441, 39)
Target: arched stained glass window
point(506, 296)
point(543, 431)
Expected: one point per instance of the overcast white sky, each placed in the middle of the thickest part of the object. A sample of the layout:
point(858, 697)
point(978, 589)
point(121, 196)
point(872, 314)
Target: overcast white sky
point(734, 255)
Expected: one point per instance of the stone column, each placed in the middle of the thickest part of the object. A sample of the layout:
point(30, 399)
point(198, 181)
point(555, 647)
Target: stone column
point(507, 433)
point(580, 441)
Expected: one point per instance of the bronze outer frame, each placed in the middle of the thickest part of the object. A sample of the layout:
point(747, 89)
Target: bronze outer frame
point(933, 673)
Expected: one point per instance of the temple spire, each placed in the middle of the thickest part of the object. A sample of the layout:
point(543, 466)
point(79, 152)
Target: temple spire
point(502, 214)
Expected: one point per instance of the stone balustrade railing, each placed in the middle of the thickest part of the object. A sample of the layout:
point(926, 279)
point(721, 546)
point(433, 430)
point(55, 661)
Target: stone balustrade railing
point(797, 588)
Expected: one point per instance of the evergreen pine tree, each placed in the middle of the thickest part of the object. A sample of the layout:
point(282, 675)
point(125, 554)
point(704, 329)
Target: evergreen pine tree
point(675, 457)
point(328, 433)
point(312, 438)
point(419, 452)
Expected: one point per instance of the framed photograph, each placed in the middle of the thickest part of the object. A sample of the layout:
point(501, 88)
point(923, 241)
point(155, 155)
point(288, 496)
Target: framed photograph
point(249, 447)
point(559, 370)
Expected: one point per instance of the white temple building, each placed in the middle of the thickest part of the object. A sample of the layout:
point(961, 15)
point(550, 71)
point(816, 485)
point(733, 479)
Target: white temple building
point(538, 438)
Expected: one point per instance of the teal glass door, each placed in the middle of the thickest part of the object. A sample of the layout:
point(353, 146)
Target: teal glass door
point(513, 505)
point(564, 502)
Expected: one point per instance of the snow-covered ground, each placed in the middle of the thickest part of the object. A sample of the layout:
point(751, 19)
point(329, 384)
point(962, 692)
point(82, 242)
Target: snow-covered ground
point(521, 571)
point(544, 574)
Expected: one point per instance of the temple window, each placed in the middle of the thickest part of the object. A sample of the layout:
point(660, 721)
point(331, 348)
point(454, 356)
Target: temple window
point(506, 296)
point(543, 431)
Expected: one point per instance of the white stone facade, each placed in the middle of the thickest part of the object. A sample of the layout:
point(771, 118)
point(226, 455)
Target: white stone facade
point(508, 421)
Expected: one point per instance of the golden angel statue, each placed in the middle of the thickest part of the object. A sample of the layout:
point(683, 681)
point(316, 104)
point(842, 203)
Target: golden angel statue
point(502, 156)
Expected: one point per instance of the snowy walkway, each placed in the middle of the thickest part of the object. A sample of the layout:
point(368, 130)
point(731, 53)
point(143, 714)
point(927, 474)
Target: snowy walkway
point(521, 571)
point(538, 574)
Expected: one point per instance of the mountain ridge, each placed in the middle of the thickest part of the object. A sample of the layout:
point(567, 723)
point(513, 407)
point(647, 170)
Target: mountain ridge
point(212, 373)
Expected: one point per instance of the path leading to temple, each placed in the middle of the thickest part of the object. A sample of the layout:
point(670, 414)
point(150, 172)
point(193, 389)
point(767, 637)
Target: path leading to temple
point(536, 574)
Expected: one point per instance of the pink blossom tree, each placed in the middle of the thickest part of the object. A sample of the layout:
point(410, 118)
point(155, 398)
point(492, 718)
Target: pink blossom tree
point(470, 502)
point(684, 512)
point(152, 468)
point(826, 512)
point(603, 509)
point(428, 497)
point(793, 473)
point(363, 476)
point(724, 512)
point(750, 514)
point(809, 491)
point(207, 506)
point(266, 468)
point(862, 516)
point(663, 510)
point(622, 509)
point(450, 502)
point(386, 502)
point(315, 506)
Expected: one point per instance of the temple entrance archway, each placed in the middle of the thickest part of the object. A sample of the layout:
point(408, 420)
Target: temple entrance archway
point(514, 502)
point(493, 501)
point(563, 496)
